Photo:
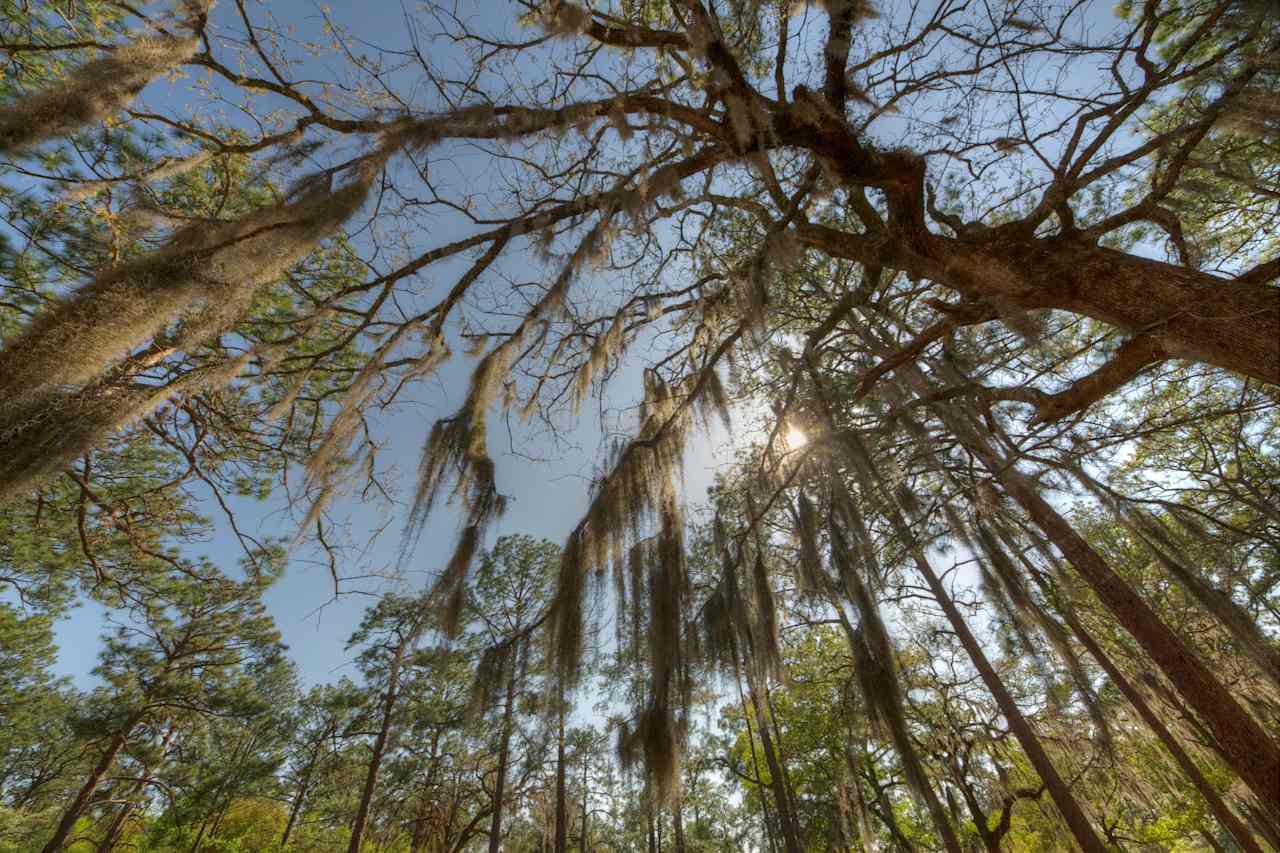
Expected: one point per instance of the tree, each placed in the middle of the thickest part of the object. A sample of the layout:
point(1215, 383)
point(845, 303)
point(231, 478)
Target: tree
point(507, 603)
point(979, 294)
point(389, 633)
point(189, 655)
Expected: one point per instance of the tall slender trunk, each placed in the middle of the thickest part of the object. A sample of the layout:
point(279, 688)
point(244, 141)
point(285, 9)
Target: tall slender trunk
point(582, 839)
point(786, 820)
point(1250, 751)
point(499, 786)
point(1067, 805)
point(677, 823)
point(418, 839)
point(562, 806)
point(295, 809)
point(379, 747)
point(787, 787)
point(104, 763)
point(755, 767)
point(304, 785)
point(204, 825)
point(112, 838)
point(903, 745)
point(884, 808)
point(1225, 816)
point(1217, 603)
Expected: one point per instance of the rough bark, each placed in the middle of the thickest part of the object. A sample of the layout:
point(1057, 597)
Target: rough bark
point(786, 819)
point(1068, 807)
point(1224, 815)
point(1172, 311)
point(1075, 818)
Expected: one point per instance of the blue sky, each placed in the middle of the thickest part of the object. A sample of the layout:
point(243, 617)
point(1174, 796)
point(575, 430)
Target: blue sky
point(548, 495)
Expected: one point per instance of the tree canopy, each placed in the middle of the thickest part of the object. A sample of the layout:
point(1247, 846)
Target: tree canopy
point(986, 297)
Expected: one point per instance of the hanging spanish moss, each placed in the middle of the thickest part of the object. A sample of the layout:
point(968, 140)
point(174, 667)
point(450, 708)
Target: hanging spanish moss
point(809, 574)
point(1020, 596)
point(491, 672)
point(92, 92)
point(766, 638)
point(625, 500)
point(166, 169)
point(877, 675)
point(56, 427)
point(1155, 538)
point(457, 448)
point(212, 272)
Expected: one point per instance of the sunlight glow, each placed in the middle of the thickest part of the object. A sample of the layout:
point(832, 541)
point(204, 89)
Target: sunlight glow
point(796, 439)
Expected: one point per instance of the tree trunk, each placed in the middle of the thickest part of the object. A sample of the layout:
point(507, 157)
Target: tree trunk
point(1252, 753)
point(786, 820)
point(304, 784)
point(1190, 315)
point(755, 767)
point(582, 839)
point(562, 806)
point(379, 748)
point(295, 808)
point(77, 807)
point(911, 763)
point(1071, 812)
point(1218, 603)
point(500, 784)
point(1210, 794)
point(419, 838)
point(1067, 805)
point(112, 838)
point(677, 823)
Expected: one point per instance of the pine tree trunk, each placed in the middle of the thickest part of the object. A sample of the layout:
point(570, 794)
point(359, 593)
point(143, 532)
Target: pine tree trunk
point(105, 762)
point(677, 824)
point(765, 818)
point(419, 838)
point(1250, 751)
point(1225, 816)
point(901, 738)
point(379, 748)
point(562, 806)
point(499, 786)
point(112, 838)
point(295, 808)
point(582, 839)
point(1067, 805)
point(786, 820)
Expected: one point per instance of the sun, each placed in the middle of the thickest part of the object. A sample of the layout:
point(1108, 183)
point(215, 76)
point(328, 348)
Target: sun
point(796, 438)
